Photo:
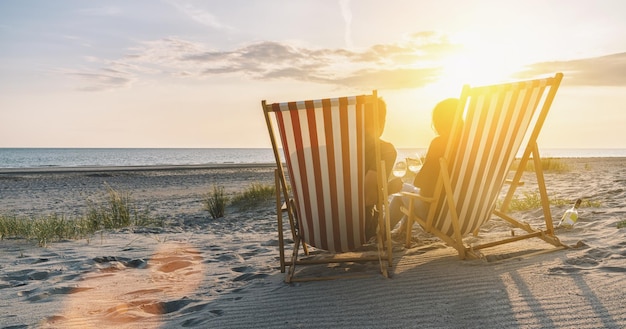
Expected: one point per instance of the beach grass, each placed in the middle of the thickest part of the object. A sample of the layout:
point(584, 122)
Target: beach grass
point(118, 211)
point(215, 202)
point(44, 229)
point(547, 164)
point(253, 196)
point(256, 194)
point(532, 200)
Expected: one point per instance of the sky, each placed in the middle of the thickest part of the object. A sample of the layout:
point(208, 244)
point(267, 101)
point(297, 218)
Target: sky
point(168, 73)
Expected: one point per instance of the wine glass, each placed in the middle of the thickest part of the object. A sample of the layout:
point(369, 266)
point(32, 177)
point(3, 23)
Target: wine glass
point(414, 164)
point(399, 169)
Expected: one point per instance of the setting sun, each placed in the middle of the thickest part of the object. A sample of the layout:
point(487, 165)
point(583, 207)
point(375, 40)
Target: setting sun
point(475, 63)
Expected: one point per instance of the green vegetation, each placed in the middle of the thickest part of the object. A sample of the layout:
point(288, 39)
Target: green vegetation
point(254, 196)
point(530, 201)
point(43, 229)
point(547, 164)
point(118, 212)
point(215, 202)
point(621, 224)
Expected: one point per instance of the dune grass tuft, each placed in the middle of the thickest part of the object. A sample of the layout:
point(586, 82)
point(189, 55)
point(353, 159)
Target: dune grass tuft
point(215, 202)
point(119, 211)
point(253, 196)
point(547, 164)
point(530, 201)
point(43, 229)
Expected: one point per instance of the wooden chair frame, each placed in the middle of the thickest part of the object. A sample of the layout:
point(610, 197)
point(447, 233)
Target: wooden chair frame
point(286, 202)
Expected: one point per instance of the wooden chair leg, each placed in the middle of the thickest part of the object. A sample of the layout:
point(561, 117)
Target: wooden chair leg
point(409, 225)
point(294, 259)
point(381, 252)
point(279, 215)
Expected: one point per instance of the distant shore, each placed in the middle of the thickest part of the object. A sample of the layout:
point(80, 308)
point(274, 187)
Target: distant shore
point(131, 157)
point(91, 169)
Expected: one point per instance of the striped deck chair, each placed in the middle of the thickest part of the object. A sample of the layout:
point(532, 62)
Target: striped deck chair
point(498, 120)
point(324, 144)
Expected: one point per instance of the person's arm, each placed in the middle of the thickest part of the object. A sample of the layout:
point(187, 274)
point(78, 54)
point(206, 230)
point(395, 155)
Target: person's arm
point(388, 155)
point(428, 174)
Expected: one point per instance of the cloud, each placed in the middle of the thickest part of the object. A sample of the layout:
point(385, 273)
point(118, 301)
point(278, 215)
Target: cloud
point(391, 79)
point(106, 79)
point(382, 66)
point(411, 63)
point(405, 64)
point(199, 15)
point(112, 75)
point(607, 70)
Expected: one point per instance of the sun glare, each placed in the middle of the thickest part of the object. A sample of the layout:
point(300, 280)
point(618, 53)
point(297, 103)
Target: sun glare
point(477, 63)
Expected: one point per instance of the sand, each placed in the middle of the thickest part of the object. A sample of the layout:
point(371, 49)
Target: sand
point(223, 273)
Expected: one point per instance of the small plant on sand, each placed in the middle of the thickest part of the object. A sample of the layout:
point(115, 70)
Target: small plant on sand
point(12, 226)
point(621, 224)
point(43, 229)
point(56, 228)
point(547, 164)
point(530, 201)
point(254, 195)
point(119, 211)
point(215, 202)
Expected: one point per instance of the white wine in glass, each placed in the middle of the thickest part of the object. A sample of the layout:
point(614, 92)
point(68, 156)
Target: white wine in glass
point(399, 169)
point(415, 164)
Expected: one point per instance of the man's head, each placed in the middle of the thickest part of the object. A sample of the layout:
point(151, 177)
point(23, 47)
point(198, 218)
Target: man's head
point(382, 115)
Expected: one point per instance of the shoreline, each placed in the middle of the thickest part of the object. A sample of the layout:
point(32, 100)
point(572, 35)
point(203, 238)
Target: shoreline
point(92, 169)
point(226, 165)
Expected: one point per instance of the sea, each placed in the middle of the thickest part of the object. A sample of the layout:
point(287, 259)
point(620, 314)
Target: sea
point(111, 157)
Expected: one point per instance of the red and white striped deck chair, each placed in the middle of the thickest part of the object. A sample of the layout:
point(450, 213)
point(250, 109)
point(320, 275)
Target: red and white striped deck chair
point(323, 142)
point(498, 120)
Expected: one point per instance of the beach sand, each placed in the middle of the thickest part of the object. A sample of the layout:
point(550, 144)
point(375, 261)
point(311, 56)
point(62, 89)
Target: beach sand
point(223, 273)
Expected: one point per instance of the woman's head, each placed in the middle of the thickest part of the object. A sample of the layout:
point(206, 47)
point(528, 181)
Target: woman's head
point(443, 115)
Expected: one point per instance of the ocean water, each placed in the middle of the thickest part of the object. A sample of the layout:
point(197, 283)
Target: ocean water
point(79, 157)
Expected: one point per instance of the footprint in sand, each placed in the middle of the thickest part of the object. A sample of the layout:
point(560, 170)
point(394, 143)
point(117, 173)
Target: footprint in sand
point(133, 293)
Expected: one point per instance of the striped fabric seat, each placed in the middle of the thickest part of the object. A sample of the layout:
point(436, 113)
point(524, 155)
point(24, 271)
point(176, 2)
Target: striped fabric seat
point(324, 143)
point(497, 121)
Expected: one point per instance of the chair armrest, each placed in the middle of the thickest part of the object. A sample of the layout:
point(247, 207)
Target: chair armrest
point(418, 196)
